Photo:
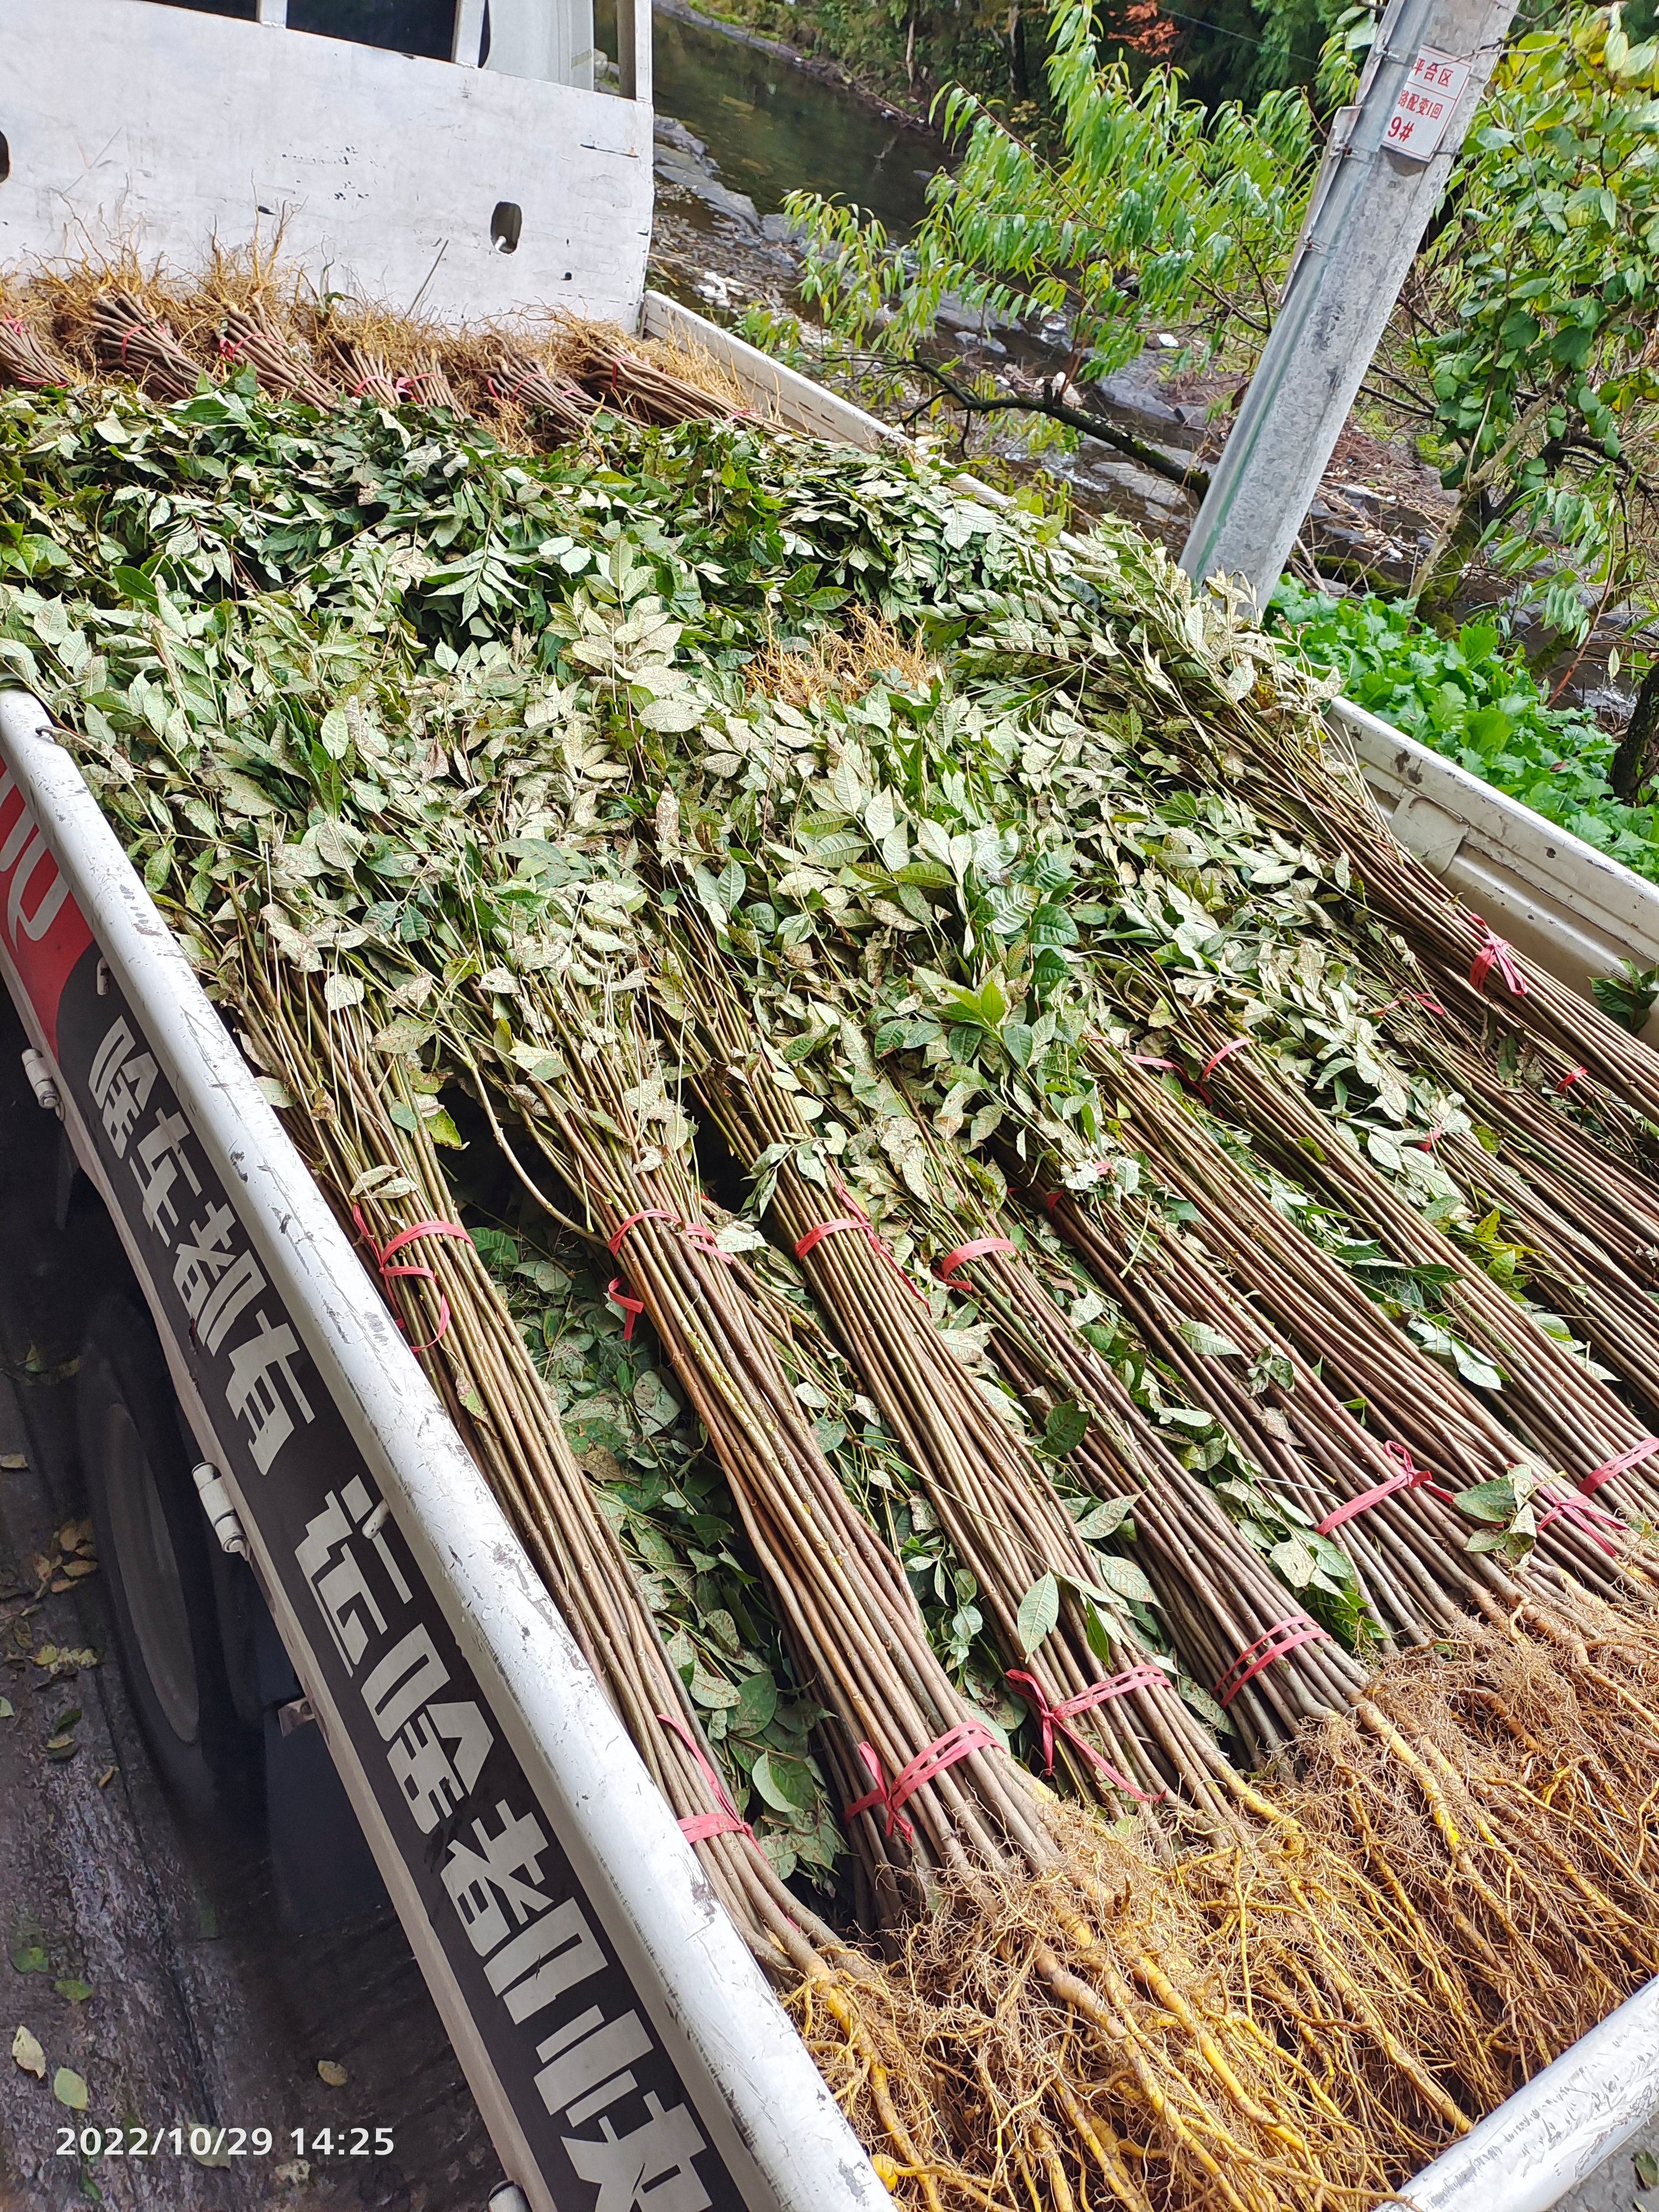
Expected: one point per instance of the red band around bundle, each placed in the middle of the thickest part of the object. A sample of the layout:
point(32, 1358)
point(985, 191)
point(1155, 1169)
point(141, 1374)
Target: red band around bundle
point(1571, 1506)
point(701, 1825)
point(1570, 1077)
point(617, 1291)
point(1495, 953)
point(1622, 1465)
point(230, 350)
point(1221, 1052)
point(1151, 1060)
point(613, 1242)
point(700, 1233)
point(815, 1236)
point(976, 1250)
point(1415, 999)
point(1284, 1637)
point(944, 1751)
point(384, 1256)
point(1410, 1477)
point(854, 1218)
point(1053, 1718)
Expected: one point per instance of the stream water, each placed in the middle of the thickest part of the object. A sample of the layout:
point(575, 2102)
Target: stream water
point(771, 126)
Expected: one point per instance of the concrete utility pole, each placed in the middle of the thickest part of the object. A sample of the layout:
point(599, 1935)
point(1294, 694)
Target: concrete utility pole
point(1384, 168)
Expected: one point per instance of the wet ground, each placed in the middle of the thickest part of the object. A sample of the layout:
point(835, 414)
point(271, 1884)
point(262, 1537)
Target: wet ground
point(150, 1962)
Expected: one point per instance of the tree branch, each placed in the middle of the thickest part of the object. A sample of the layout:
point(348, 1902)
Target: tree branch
point(1193, 479)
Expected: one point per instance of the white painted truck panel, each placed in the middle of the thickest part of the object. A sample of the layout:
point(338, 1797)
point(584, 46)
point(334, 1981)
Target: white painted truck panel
point(130, 123)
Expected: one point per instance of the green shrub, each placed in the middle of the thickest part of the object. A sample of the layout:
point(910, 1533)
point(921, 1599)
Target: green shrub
point(1473, 699)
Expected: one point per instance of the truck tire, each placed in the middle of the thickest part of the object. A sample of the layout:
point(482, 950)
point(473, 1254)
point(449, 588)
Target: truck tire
point(156, 1551)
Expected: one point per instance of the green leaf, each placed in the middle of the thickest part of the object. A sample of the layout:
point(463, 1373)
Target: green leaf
point(1488, 1501)
point(1064, 1431)
point(334, 733)
point(1039, 1610)
point(69, 2090)
point(757, 1702)
point(1125, 1577)
point(786, 1784)
point(442, 1130)
point(1209, 1343)
point(1105, 1519)
point(77, 1992)
point(1647, 2169)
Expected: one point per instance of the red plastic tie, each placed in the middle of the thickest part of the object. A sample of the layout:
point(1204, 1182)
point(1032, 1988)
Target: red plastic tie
point(1410, 1477)
point(1053, 1718)
point(362, 385)
point(1622, 1465)
point(701, 1825)
point(1283, 1637)
point(1573, 1506)
point(1151, 1060)
point(404, 1237)
point(1221, 1053)
point(613, 1242)
point(815, 1236)
point(1569, 1079)
point(855, 1217)
point(944, 1751)
point(1415, 999)
point(230, 350)
point(617, 1291)
point(976, 1250)
point(700, 1233)
point(1495, 953)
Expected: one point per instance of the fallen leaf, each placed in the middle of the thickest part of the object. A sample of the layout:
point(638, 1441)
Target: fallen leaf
point(61, 1746)
point(75, 1568)
point(77, 1992)
point(331, 2071)
point(293, 2172)
point(216, 2153)
point(108, 1775)
point(26, 2050)
point(6, 1711)
point(69, 2090)
point(12, 1463)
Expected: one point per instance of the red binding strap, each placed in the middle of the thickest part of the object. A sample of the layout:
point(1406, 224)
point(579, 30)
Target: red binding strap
point(1622, 1465)
point(1569, 1079)
point(1284, 1637)
point(701, 1825)
point(1570, 1505)
point(944, 1751)
point(1495, 953)
point(383, 1257)
point(1410, 1477)
point(815, 1236)
point(1053, 1718)
point(613, 1242)
point(855, 1217)
point(700, 1233)
point(1415, 999)
point(976, 1250)
point(618, 1291)
point(1221, 1053)
point(1151, 1060)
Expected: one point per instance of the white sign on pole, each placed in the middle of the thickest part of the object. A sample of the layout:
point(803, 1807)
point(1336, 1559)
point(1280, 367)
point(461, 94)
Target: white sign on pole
point(1425, 104)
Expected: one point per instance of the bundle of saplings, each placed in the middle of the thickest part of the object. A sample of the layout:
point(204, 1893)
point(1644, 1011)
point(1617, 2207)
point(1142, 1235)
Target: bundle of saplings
point(1072, 1336)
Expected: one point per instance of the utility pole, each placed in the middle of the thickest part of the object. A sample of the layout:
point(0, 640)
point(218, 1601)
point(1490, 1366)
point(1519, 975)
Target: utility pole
point(1385, 166)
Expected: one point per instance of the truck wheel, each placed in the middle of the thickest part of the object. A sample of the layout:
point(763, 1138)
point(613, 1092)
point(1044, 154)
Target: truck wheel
point(156, 1549)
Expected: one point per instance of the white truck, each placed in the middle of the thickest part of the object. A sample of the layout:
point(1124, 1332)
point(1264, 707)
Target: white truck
point(322, 1564)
